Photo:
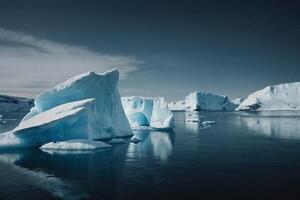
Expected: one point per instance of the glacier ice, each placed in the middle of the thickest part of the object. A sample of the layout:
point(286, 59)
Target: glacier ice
point(177, 105)
point(73, 120)
point(278, 97)
point(148, 112)
point(162, 117)
point(87, 106)
point(203, 101)
point(109, 119)
point(75, 145)
point(238, 101)
point(14, 104)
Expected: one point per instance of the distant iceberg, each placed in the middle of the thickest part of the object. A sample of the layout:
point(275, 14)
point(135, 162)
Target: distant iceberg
point(278, 97)
point(238, 101)
point(15, 104)
point(203, 101)
point(87, 106)
point(148, 112)
point(177, 105)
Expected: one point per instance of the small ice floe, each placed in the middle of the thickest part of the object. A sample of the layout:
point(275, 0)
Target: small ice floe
point(208, 123)
point(76, 145)
point(192, 120)
point(135, 140)
point(117, 141)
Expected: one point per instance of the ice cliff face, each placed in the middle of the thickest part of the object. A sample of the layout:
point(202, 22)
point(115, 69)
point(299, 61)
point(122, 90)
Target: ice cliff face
point(14, 104)
point(85, 106)
point(146, 111)
point(278, 97)
point(202, 101)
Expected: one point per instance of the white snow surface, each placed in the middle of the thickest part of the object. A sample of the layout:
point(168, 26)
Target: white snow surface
point(162, 117)
point(177, 105)
point(238, 101)
point(14, 104)
point(76, 144)
point(148, 112)
point(203, 101)
point(104, 118)
point(74, 120)
point(278, 97)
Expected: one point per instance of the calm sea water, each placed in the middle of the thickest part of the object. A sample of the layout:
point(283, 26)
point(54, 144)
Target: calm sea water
point(242, 156)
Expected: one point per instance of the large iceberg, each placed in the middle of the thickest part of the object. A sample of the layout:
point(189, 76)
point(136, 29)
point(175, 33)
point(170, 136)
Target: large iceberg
point(203, 101)
point(14, 104)
point(148, 112)
point(87, 106)
point(278, 97)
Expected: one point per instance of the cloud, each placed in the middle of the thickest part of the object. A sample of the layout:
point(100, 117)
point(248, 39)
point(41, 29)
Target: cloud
point(29, 65)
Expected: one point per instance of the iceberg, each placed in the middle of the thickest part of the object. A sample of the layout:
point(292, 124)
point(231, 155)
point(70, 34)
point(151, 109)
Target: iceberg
point(148, 112)
point(75, 145)
point(177, 105)
point(109, 119)
point(87, 106)
point(202, 101)
point(238, 101)
point(74, 120)
point(278, 97)
point(14, 104)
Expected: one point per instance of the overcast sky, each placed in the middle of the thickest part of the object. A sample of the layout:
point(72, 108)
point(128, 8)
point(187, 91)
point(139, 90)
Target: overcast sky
point(162, 48)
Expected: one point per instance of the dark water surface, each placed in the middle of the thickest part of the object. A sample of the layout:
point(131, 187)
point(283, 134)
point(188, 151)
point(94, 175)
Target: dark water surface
point(242, 156)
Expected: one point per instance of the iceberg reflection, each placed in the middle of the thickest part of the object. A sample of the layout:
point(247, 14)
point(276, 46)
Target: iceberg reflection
point(48, 182)
point(284, 127)
point(70, 176)
point(156, 143)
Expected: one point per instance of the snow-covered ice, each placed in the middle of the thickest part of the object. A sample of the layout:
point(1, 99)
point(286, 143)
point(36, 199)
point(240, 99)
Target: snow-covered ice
point(14, 104)
point(109, 119)
point(74, 120)
point(177, 105)
point(208, 123)
point(278, 97)
point(162, 117)
point(148, 112)
point(202, 101)
point(238, 101)
point(76, 144)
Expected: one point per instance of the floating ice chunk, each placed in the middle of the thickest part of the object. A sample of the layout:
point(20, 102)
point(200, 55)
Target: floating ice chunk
point(202, 101)
point(109, 119)
point(9, 140)
point(74, 120)
point(278, 97)
point(162, 117)
point(208, 123)
point(74, 145)
point(146, 111)
point(177, 106)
